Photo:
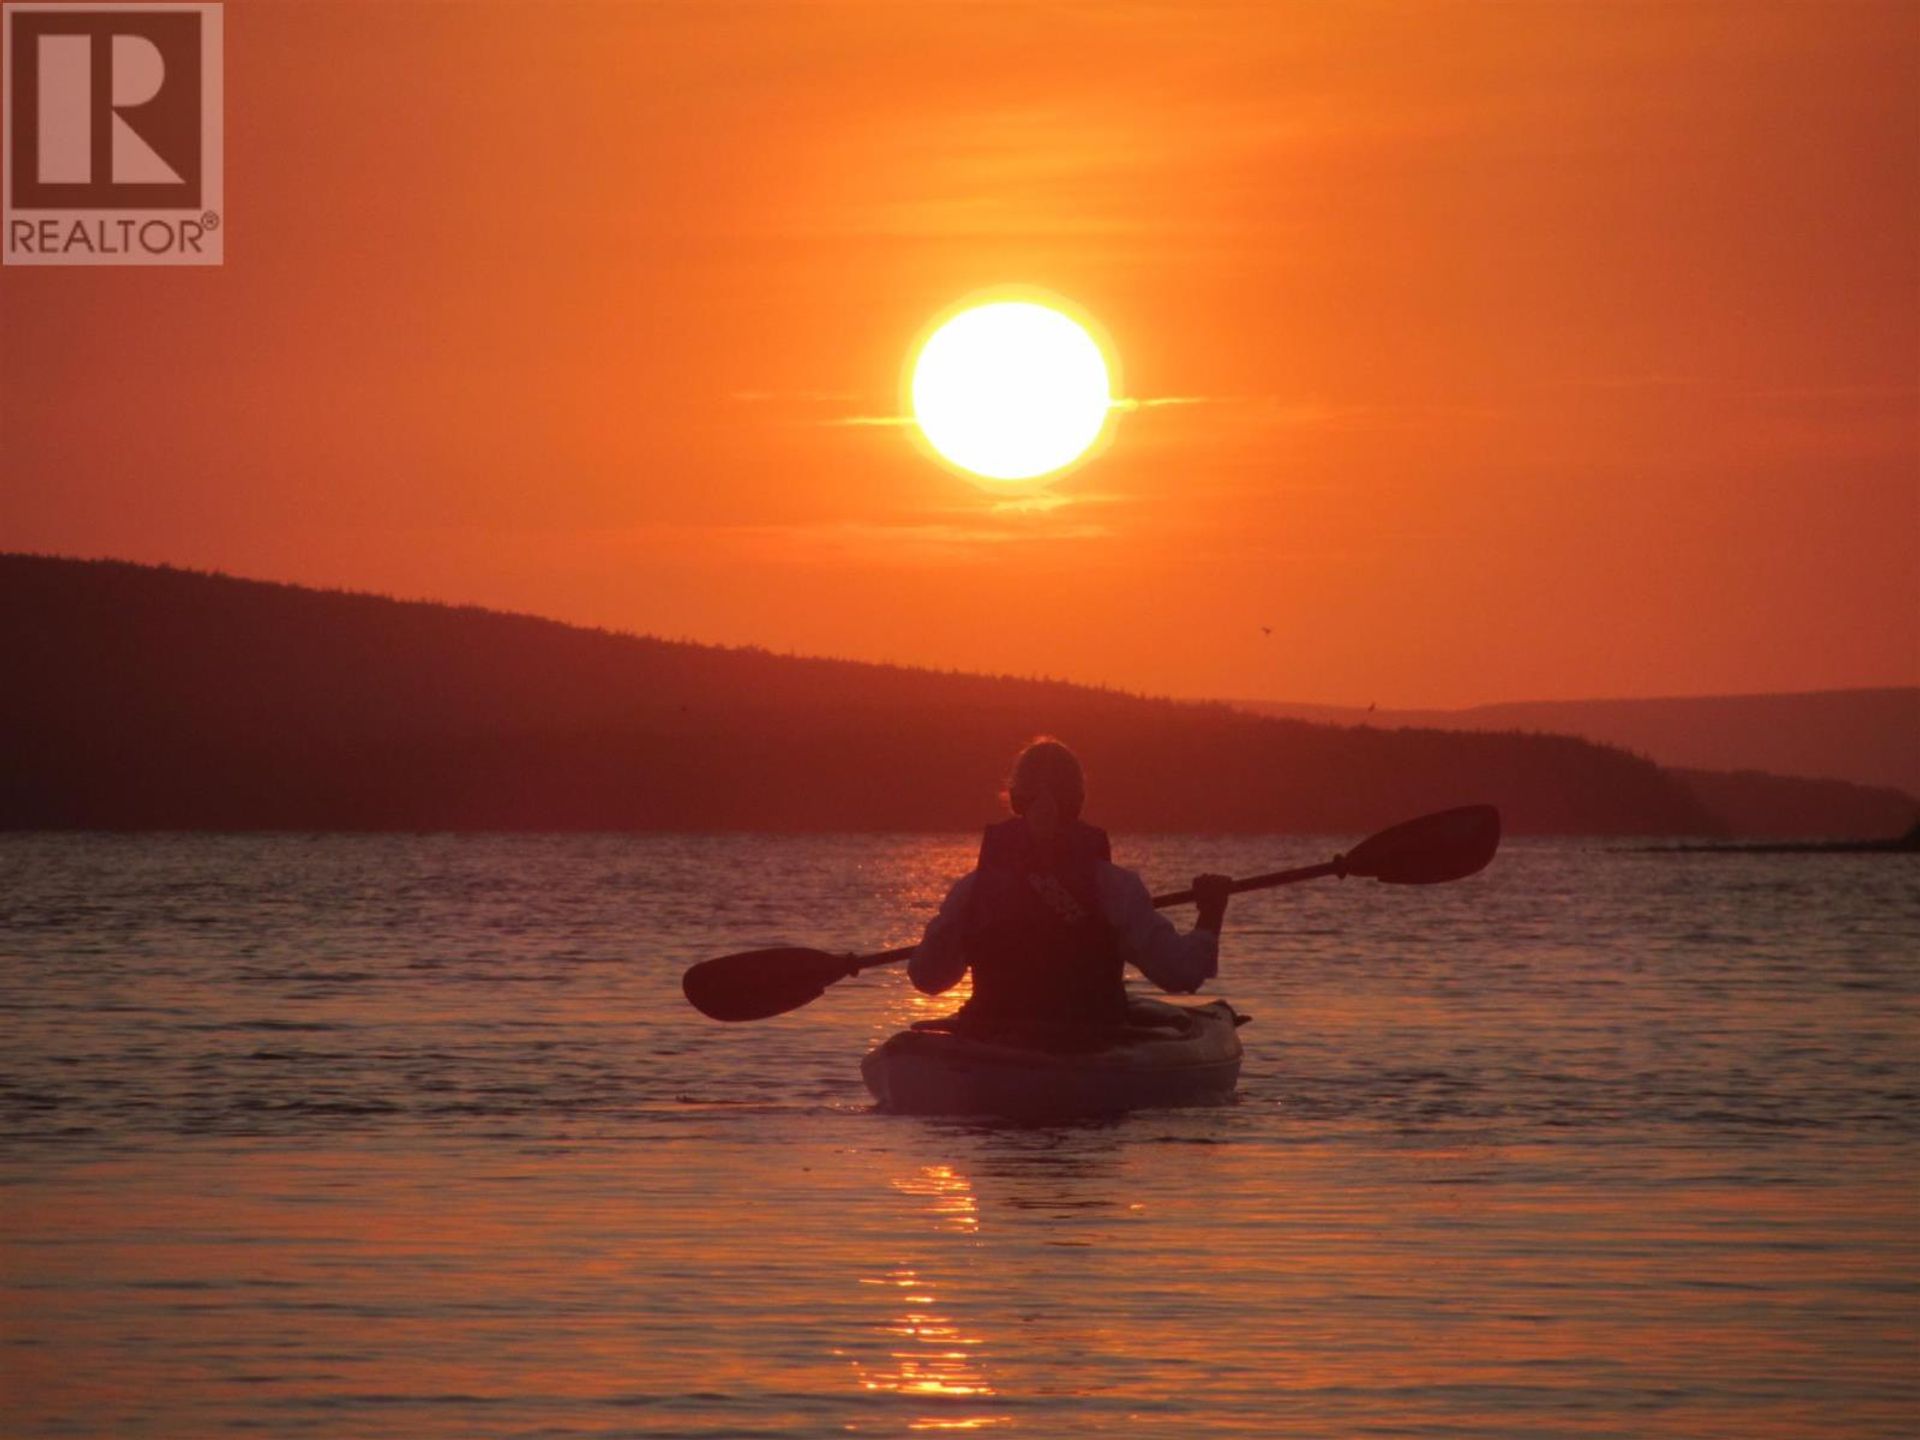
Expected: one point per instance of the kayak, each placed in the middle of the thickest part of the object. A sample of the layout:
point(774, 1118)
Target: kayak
point(1165, 1055)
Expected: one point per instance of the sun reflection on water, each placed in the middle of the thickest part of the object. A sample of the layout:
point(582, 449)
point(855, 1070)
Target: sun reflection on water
point(929, 1353)
point(949, 1196)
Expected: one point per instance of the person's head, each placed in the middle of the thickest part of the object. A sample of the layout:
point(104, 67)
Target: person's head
point(1046, 787)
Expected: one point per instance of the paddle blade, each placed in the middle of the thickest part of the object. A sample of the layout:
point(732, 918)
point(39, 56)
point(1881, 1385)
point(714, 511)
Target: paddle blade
point(758, 984)
point(1450, 845)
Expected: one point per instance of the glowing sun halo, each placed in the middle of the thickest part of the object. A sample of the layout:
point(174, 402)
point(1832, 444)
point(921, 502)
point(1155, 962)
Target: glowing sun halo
point(1011, 390)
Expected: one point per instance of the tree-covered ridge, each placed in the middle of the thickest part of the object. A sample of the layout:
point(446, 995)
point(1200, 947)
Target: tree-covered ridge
point(150, 697)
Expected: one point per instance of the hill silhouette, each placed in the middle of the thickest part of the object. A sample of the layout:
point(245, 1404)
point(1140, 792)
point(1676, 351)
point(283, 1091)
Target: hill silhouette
point(150, 697)
point(1867, 737)
point(1753, 803)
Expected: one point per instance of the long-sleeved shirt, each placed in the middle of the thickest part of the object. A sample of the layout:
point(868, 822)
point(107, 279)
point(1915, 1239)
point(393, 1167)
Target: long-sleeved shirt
point(1147, 939)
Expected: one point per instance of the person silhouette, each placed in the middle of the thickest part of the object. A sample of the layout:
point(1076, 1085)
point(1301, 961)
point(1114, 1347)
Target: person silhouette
point(1048, 923)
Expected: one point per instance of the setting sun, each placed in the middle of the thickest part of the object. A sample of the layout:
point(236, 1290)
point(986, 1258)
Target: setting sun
point(1011, 390)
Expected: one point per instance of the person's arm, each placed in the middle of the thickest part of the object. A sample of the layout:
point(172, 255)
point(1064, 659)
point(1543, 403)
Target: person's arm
point(940, 960)
point(1210, 895)
point(1148, 940)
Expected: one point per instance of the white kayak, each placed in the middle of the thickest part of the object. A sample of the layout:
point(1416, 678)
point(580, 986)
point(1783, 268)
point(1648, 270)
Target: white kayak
point(1166, 1055)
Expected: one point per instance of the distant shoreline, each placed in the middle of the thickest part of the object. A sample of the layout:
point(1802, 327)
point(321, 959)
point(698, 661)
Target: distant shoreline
point(1907, 844)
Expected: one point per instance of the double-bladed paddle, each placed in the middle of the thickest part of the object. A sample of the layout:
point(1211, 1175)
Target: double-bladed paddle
point(757, 984)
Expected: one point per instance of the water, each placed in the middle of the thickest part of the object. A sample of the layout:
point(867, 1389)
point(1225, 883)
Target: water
point(414, 1136)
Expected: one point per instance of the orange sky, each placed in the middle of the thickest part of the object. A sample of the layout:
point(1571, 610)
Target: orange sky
point(1536, 350)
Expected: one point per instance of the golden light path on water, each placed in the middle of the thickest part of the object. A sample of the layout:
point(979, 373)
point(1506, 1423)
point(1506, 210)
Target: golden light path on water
point(937, 1358)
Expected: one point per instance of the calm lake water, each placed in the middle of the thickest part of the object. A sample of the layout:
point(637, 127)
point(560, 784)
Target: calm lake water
point(415, 1136)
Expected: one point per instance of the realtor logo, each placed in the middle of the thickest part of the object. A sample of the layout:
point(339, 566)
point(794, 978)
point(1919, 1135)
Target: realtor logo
point(111, 150)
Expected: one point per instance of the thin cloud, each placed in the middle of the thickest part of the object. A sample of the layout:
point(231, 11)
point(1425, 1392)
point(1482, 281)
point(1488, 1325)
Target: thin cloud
point(1158, 402)
point(1652, 380)
point(945, 535)
point(761, 397)
point(907, 544)
point(1125, 406)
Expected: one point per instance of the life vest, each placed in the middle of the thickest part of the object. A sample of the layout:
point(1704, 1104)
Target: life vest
point(1039, 948)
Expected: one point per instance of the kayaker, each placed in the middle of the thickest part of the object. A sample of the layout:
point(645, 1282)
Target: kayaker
point(1048, 923)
